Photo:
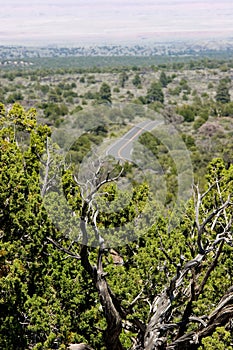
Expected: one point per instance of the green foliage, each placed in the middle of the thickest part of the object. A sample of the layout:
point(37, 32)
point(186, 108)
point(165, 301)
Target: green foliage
point(77, 109)
point(44, 88)
point(155, 93)
point(105, 93)
point(46, 298)
point(176, 91)
point(167, 166)
point(121, 207)
point(187, 112)
point(123, 77)
point(222, 93)
point(90, 95)
point(53, 110)
point(221, 339)
point(82, 146)
point(43, 297)
point(198, 123)
point(136, 80)
point(189, 141)
point(227, 109)
point(90, 79)
point(14, 97)
point(2, 110)
point(164, 79)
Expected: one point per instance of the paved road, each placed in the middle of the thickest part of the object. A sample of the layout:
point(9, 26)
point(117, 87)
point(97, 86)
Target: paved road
point(123, 147)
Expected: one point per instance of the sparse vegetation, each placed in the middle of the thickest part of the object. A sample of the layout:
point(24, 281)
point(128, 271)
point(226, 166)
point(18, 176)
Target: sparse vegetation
point(166, 289)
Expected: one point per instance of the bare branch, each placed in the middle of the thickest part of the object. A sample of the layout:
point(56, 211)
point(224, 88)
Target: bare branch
point(210, 269)
point(219, 317)
point(47, 166)
point(214, 213)
point(60, 247)
point(79, 347)
point(136, 298)
point(48, 182)
point(210, 188)
point(106, 180)
point(162, 305)
point(198, 320)
point(165, 252)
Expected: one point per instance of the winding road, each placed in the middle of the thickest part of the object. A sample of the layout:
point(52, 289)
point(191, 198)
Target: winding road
point(123, 147)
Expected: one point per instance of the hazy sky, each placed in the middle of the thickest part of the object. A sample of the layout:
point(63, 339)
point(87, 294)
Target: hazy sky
point(96, 21)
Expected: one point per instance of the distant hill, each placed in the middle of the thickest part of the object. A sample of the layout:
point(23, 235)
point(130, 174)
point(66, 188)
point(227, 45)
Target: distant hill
point(171, 49)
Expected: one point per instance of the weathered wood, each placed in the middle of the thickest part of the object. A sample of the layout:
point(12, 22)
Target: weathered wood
point(81, 346)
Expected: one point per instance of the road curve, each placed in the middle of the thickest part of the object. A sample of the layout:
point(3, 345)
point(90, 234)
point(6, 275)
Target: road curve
point(123, 147)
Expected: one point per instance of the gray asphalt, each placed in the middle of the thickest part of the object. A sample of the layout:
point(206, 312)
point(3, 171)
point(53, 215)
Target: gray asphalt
point(123, 147)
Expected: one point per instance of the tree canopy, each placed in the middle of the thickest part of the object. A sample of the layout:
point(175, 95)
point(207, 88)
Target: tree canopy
point(222, 93)
point(169, 288)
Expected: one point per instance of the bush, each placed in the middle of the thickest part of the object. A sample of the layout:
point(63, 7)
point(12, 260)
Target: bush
point(155, 93)
point(187, 112)
point(14, 97)
point(198, 123)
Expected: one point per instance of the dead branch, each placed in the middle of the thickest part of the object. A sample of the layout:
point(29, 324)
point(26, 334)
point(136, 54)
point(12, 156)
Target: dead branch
point(222, 314)
point(162, 307)
point(63, 249)
point(79, 347)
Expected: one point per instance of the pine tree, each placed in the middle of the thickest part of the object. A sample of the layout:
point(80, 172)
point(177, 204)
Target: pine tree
point(222, 93)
